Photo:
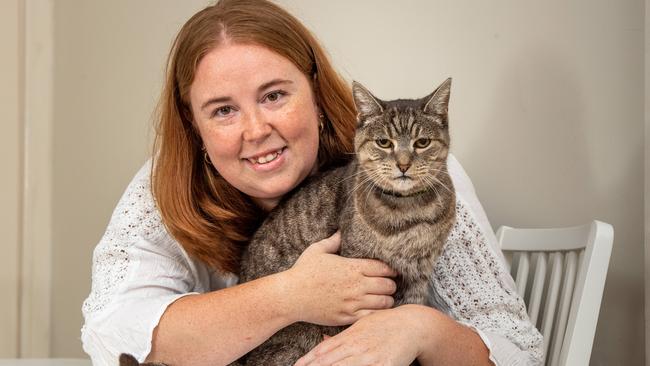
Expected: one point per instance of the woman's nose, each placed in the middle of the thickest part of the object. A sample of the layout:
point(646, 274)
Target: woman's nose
point(256, 128)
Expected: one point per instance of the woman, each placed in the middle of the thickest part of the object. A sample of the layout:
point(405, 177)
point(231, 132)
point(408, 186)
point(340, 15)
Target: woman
point(251, 107)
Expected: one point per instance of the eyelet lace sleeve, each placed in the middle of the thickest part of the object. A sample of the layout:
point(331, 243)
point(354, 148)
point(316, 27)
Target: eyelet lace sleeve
point(138, 270)
point(472, 284)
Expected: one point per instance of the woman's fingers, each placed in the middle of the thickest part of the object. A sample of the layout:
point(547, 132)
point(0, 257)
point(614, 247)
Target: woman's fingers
point(379, 286)
point(337, 355)
point(329, 245)
point(322, 350)
point(331, 290)
point(363, 313)
point(375, 268)
point(376, 302)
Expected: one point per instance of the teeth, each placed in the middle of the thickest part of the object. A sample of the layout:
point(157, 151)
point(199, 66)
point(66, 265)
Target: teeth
point(265, 159)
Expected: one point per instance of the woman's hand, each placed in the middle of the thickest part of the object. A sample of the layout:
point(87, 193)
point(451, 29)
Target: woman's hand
point(398, 336)
point(388, 337)
point(328, 289)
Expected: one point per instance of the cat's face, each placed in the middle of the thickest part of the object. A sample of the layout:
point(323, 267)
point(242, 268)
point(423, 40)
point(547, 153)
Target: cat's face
point(402, 145)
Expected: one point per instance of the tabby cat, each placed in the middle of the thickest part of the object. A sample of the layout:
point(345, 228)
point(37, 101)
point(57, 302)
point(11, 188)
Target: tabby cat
point(394, 202)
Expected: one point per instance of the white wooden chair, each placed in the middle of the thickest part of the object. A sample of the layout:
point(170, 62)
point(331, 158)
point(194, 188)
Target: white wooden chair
point(563, 295)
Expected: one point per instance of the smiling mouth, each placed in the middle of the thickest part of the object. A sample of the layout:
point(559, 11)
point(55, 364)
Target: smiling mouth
point(260, 160)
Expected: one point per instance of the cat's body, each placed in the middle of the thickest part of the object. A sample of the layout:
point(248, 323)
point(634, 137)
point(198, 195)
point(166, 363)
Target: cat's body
point(394, 202)
point(406, 228)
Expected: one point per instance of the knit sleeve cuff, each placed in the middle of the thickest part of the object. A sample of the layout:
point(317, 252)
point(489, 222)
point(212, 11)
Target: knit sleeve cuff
point(503, 352)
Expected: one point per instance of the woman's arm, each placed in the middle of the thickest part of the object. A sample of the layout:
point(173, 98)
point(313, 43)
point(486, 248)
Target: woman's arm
point(218, 327)
point(147, 292)
point(443, 341)
point(397, 337)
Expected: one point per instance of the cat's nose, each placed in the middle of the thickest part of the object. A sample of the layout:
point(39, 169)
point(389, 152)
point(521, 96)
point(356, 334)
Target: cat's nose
point(403, 167)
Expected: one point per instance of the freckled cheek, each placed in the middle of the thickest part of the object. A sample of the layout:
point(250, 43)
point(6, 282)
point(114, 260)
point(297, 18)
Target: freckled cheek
point(299, 124)
point(223, 147)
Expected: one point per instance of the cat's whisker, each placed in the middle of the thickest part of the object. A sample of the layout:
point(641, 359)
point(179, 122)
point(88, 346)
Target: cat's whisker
point(367, 178)
point(356, 174)
point(354, 189)
point(434, 182)
point(442, 185)
point(367, 189)
point(434, 186)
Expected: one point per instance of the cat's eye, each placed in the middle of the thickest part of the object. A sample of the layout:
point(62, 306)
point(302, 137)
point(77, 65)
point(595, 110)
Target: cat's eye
point(421, 143)
point(384, 143)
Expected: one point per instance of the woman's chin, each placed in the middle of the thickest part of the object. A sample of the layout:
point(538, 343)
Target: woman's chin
point(268, 199)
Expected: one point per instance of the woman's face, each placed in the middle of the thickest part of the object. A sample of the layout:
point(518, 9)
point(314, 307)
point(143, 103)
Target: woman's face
point(258, 119)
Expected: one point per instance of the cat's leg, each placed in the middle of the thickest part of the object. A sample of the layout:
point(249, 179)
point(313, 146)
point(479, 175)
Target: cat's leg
point(415, 292)
point(274, 354)
point(289, 344)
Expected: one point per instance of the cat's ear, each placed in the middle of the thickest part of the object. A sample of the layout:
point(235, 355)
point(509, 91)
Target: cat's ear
point(366, 103)
point(438, 103)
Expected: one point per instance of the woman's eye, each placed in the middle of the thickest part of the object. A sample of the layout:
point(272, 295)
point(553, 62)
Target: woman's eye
point(274, 96)
point(222, 111)
point(384, 143)
point(421, 143)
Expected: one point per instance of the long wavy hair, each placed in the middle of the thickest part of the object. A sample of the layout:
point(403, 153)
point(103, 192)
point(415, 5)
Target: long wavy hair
point(211, 219)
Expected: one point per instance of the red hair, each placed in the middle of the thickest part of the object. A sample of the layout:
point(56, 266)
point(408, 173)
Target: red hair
point(211, 219)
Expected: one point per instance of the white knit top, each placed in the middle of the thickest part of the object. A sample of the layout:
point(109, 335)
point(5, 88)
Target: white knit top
point(139, 269)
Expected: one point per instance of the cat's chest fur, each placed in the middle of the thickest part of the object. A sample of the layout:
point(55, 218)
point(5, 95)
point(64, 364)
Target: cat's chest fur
point(409, 245)
point(410, 253)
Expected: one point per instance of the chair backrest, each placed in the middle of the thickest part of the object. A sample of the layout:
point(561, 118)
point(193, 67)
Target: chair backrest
point(563, 295)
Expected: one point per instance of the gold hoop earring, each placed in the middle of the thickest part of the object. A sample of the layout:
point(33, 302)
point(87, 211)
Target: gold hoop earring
point(206, 157)
point(321, 124)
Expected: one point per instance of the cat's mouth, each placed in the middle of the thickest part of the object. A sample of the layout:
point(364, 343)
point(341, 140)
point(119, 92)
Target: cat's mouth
point(403, 183)
point(401, 194)
point(403, 178)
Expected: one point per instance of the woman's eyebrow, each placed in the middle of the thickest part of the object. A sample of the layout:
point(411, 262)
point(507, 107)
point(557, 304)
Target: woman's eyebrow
point(215, 101)
point(274, 82)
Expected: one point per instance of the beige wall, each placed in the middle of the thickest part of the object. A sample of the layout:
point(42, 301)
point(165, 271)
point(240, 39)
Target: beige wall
point(547, 117)
point(11, 182)
point(647, 179)
point(109, 61)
